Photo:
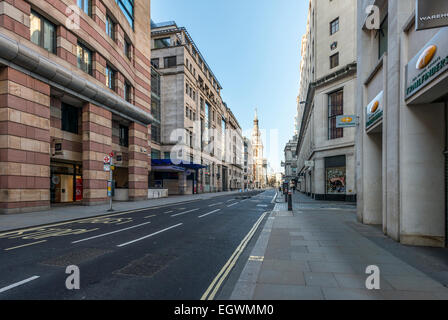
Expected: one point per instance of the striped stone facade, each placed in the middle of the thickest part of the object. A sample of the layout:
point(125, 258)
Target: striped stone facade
point(36, 148)
point(24, 141)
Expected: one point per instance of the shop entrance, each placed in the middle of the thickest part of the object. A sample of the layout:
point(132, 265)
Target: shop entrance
point(66, 183)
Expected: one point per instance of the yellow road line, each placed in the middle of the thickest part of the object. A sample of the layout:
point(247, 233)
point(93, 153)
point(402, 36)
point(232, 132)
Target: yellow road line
point(90, 218)
point(222, 275)
point(124, 222)
point(25, 245)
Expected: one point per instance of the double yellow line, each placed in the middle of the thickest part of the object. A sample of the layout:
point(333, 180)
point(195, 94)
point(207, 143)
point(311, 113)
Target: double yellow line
point(222, 275)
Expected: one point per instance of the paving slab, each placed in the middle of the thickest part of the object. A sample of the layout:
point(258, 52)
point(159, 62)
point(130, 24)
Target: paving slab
point(322, 252)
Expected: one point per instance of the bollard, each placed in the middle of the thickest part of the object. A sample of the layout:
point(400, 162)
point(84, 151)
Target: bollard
point(289, 201)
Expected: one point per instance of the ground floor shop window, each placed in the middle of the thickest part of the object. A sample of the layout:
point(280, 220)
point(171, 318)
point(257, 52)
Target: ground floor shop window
point(335, 173)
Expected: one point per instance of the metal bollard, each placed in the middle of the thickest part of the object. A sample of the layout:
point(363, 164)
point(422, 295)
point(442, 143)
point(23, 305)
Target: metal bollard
point(289, 201)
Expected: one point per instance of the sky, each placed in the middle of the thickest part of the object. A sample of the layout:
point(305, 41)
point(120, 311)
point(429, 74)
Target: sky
point(253, 48)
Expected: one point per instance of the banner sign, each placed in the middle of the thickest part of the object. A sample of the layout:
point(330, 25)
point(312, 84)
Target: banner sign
point(428, 64)
point(431, 14)
point(374, 110)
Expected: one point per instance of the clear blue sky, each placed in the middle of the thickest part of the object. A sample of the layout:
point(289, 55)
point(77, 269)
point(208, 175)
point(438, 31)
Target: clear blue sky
point(253, 48)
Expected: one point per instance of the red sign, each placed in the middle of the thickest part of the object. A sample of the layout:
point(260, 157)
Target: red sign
point(106, 159)
point(78, 189)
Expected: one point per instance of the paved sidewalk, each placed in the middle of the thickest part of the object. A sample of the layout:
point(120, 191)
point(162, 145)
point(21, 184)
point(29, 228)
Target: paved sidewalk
point(318, 251)
point(67, 213)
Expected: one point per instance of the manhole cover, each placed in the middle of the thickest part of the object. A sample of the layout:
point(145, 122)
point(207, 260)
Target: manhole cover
point(147, 266)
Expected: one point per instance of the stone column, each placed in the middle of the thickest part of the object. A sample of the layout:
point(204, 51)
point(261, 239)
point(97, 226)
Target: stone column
point(96, 144)
point(138, 162)
point(24, 142)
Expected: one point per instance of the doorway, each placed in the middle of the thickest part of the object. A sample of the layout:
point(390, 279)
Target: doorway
point(66, 183)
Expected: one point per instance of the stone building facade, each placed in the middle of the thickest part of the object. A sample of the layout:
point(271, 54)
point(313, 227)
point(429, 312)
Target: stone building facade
point(325, 153)
point(402, 96)
point(197, 127)
point(74, 87)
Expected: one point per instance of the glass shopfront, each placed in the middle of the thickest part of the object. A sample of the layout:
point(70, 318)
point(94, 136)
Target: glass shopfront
point(335, 169)
point(66, 183)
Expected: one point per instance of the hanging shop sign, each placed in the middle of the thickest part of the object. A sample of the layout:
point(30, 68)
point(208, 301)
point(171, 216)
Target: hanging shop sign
point(309, 164)
point(374, 110)
point(349, 121)
point(431, 14)
point(428, 64)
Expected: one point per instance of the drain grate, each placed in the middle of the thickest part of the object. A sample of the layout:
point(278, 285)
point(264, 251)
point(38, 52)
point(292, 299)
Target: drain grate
point(76, 257)
point(147, 266)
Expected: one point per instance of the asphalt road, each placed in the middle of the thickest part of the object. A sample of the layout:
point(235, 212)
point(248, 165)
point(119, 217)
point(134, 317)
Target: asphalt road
point(172, 252)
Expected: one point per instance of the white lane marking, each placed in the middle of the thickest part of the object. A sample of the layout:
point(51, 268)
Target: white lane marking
point(215, 204)
point(204, 215)
point(109, 233)
point(231, 200)
point(262, 205)
point(232, 205)
point(148, 236)
point(18, 284)
point(275, 197)
point(179, 214)
point(169, 212)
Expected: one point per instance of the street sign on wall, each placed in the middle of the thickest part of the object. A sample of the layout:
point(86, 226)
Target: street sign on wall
point(349, 121)
point(431, 14)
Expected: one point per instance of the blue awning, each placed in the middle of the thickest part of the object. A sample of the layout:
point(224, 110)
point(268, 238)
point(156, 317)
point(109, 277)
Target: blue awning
point(183, 164)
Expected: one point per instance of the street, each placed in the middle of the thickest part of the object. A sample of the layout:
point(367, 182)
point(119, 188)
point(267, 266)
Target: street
point(169, 252)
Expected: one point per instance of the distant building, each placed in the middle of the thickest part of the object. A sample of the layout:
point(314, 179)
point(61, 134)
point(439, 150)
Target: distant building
point(248, 165)
point(260, 164)
point(290, 163)
point(200, 139)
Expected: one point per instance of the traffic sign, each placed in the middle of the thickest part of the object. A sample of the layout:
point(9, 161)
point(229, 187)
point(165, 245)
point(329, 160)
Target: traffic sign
point(106, 160)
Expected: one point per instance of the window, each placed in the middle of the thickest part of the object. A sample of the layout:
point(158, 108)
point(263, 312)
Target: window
point(127, 91)
point(86, 6)
point(110, 78)
point(42, 32)
point(170, 62)
point(127, 7)
point(155, 154)
point(69, 119)
point(334, 26)
point(162, 43)
point(155, 63)
point(167, 155)
point(334, 61)
point(127, 49)
point(383, 38)
point(84, 58)
point(124, 136)
point(110, 28)
point(335, 108)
